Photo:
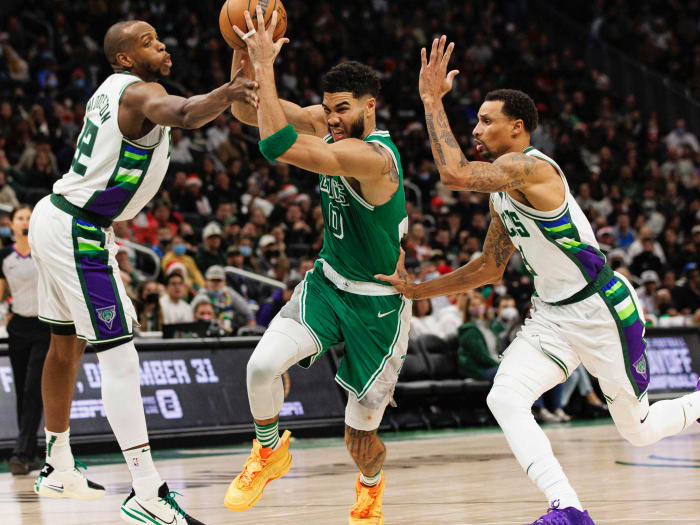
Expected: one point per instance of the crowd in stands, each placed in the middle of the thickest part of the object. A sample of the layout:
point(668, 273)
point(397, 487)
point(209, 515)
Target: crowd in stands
point(223, 205)
point(663, 34)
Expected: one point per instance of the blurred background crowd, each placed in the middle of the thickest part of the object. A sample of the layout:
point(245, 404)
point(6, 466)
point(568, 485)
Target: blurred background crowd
point(635, 173)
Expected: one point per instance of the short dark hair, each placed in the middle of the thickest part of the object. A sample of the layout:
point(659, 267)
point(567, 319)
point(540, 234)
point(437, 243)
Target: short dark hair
point(353, 77)
point(516, 105)
point(173, 276)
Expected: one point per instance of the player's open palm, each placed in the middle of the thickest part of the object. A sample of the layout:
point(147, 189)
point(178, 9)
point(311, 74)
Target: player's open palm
point(434, 81)
point(262, 49)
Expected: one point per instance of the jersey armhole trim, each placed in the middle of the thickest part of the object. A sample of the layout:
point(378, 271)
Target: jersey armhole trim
point(358, 198)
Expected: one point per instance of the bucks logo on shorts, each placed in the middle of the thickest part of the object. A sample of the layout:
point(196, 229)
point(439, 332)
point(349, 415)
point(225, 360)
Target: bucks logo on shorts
point(641, 367)
point(107, 315)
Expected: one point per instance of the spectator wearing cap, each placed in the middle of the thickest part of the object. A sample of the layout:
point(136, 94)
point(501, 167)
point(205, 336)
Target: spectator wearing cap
point(177, 252)
point(269, 251)
point(211, 251)
point(196, 201)
point(687, 296)
point(230, 308)
point(173, 305)
point(650, 283)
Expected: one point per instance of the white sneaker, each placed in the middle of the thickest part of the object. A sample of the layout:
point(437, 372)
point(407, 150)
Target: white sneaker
point(563, 416)
point(53, 483)
point(161, 510)
point(545, 416)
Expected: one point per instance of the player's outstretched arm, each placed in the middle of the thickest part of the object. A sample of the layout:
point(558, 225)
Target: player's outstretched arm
point(348, 157)
point(508, 172)
point(308, 120)
point(150, 100)
point(485, 269)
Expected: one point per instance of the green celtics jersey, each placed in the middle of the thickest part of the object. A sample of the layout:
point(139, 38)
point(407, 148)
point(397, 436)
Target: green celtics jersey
point(361, 239)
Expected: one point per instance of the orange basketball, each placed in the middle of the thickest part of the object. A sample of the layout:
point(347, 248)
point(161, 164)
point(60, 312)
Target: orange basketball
point(232, 15)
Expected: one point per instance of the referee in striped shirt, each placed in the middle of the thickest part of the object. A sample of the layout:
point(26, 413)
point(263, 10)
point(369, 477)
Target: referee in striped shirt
point(28, 340)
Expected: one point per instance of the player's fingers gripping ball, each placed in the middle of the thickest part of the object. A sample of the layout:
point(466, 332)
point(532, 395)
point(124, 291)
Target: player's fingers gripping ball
point(232, 14)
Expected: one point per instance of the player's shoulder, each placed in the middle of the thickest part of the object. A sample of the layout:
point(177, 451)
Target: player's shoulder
point(517, 163)
point(137, 92)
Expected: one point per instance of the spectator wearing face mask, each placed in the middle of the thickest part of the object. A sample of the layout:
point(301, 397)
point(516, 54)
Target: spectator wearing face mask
point(474, 357)
point(230, 308)
point(507, 322)
point(148, 307)
point(177, 252)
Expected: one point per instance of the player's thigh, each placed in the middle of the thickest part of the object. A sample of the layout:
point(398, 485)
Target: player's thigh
point(315, 306)
point(375, 330)
point(52, 250)
point(527, 371)
point(100, 307)
point(608, 334)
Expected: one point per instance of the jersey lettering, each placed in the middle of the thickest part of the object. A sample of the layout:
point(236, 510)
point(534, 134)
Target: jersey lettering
point(518, 228)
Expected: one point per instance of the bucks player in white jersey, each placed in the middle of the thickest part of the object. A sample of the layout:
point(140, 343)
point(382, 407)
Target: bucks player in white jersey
point(364, 213)
point(120, 161)
point(582, 312)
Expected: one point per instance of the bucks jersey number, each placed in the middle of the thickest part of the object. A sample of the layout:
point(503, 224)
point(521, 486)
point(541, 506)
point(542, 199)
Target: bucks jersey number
point(83, 149)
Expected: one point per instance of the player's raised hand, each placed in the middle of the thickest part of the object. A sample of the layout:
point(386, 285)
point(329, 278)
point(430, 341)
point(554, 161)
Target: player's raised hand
point(261, 47)
point(242, 89)
point(433, 80)
point(399, 279)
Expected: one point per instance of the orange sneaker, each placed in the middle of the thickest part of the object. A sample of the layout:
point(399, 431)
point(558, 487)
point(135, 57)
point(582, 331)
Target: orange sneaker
point(367, 509)
point(262, 466)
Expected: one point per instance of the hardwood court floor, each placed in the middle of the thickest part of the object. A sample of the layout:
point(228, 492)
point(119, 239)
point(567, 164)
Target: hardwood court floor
point(451, 477)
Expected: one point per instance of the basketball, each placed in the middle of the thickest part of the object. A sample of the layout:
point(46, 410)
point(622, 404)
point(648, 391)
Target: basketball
point(232, 15)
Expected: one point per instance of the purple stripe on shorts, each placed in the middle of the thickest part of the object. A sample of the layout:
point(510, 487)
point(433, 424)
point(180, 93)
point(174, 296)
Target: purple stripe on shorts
point(591, 261)
point(109, 202)
point(635, 351)
point(105, 305)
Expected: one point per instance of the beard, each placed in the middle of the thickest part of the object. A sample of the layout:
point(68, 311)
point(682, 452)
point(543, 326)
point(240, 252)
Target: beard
point(357, 128)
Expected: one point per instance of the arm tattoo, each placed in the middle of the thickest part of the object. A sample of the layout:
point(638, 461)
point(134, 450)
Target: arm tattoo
point(389, 169)
point(497, 245)
point(366, 449)
point(507, 173)
point(434, 139)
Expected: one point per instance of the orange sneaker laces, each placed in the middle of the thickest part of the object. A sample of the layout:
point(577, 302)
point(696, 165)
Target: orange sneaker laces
point(365, 500)
point(253, 466)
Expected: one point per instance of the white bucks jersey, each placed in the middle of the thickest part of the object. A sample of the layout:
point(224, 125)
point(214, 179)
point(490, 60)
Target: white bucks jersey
point(557, 247)
point(111, 175)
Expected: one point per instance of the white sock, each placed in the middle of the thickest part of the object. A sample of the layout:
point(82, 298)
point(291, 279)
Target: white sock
point(547, 474)
point(58, 452)
point(145, 477)
point(371, 481)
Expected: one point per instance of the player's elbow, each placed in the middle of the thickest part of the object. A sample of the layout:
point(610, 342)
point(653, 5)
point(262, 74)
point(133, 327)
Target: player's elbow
point(451, 179)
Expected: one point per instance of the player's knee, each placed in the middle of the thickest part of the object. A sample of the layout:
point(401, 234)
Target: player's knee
point(503, 401)
point(120, 362)
point(639, 436)
point(261, 369)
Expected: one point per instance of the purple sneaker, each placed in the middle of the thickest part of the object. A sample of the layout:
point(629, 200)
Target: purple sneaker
point(567, 516)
